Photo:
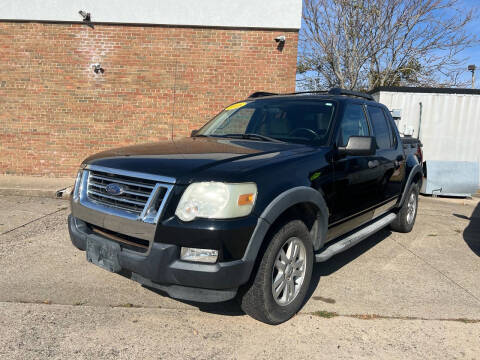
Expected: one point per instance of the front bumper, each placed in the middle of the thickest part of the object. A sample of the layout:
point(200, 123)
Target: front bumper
point(161, 268)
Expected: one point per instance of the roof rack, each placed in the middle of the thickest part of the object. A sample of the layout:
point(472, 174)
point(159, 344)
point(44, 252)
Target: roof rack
point(260, 94)
point(338, 91)
point(309, 92)
point(332, 91)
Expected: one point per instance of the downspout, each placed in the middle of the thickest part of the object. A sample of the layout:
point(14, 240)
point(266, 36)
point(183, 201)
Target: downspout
point(420, 119)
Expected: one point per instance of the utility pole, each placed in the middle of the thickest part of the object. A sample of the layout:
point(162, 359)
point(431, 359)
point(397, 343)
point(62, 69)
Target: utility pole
point(472, 68)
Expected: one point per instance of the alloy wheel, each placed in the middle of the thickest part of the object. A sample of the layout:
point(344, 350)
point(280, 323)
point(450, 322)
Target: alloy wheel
point(289, 271)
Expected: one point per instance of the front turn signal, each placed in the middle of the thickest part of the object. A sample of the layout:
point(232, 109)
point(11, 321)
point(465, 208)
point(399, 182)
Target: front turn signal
point(246, 199)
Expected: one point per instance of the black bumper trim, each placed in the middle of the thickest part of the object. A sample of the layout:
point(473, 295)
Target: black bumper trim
point(187, 293)
point(164, 269)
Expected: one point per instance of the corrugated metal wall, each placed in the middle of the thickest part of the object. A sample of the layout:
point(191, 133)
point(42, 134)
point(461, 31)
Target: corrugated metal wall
point(450, 126)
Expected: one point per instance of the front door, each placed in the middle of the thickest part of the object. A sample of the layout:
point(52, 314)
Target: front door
point(355, 177)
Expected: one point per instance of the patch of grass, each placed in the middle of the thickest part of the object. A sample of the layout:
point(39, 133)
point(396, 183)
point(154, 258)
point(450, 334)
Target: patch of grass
point(432, 234)
point(325, 314)
point(367, 316)
point(458, 231)
point(79, 303)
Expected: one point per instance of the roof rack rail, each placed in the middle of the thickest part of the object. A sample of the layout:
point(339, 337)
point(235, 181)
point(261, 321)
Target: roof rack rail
point(260, 94)
point(309, 92)
point(339, 91)
point(332, 91)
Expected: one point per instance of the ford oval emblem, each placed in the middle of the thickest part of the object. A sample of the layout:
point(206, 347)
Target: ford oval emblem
point(114, 189)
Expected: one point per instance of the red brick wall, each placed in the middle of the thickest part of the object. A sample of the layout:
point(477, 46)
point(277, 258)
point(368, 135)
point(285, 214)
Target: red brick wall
point(55, 111)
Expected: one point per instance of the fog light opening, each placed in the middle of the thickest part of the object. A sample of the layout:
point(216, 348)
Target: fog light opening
point(198, 255)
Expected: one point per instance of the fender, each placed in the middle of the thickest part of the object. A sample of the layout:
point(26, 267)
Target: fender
point(415, 170)
point(282, 202)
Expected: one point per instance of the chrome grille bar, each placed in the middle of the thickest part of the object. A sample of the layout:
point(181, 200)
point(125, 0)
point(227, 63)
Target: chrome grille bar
point(137, 193)
point(140, 195)
point(121, 181)
point(116, 198)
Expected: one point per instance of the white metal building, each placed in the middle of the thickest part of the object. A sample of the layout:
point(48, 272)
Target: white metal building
point(446, 120)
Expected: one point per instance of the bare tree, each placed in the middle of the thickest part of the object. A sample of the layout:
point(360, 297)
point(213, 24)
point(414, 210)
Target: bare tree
point(362, 44)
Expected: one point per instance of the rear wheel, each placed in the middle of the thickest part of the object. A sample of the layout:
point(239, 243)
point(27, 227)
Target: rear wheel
point(281, 283)
point(408, 212)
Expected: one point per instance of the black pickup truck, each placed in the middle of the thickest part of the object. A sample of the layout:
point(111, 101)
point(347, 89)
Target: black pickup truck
point(250, 202)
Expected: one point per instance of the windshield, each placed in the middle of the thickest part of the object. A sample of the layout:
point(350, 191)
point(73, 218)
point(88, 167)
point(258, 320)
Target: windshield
point(298, 121)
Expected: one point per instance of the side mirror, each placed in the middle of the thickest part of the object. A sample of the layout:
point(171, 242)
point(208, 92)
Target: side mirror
point(358, 146)
point(193, 133)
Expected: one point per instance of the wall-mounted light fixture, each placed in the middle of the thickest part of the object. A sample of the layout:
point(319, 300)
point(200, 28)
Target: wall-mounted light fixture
point(86, 16)
point(97, 68)
point(280, 40)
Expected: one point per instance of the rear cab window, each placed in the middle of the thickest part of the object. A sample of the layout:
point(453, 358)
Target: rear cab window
point(381, 128)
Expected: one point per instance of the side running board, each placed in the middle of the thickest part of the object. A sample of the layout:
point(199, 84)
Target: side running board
point(354, 238)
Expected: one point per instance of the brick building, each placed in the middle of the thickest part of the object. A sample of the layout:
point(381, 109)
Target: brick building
point(164, 68)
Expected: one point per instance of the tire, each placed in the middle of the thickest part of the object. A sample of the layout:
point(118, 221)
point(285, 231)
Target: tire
point(408, 212)
point(257, 298)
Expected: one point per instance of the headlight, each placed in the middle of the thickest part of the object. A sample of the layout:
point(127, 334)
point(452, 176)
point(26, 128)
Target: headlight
point(216, 200)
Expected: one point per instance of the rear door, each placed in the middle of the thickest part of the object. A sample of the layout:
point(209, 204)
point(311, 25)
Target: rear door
point(388, 158)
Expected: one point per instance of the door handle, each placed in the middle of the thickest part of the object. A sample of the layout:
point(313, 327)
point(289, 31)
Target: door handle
point(373, 164)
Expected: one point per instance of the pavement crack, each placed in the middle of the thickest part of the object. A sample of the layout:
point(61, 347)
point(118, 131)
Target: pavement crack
point(34, 220)
point(436, 269)
point(320, 313)
point(329, 315)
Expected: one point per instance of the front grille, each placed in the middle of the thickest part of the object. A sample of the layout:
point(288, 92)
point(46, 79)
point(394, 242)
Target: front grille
point(133, 199)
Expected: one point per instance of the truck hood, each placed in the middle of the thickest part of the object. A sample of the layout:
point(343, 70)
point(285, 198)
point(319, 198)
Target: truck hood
point(178, 158)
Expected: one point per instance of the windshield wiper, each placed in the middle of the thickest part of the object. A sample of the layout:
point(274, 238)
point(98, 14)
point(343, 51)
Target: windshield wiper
point(252, 136)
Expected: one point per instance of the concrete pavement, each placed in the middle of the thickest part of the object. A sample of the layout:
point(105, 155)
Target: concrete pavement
point(34, 185)
point(393, 296)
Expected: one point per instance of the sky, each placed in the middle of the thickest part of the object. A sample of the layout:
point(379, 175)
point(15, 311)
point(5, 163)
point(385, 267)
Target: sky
point(471, 55)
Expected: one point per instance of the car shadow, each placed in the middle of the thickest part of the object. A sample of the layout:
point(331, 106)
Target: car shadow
point(232, 308)
point(471, 234)
point(229, 308)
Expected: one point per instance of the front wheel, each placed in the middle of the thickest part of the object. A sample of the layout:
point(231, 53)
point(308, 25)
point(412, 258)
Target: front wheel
point(281, 283)
point(408, 212)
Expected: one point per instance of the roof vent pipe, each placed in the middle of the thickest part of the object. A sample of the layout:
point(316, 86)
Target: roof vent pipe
point(419, 119)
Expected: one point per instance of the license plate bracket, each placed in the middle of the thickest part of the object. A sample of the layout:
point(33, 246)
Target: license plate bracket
point(104, 253)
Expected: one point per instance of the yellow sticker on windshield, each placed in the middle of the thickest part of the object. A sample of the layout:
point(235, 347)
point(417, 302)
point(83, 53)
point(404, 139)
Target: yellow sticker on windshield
point(236, 106)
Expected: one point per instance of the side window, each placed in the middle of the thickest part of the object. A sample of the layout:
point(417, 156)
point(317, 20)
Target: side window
point(353, 123)
point(381, 129)
point(391, 124)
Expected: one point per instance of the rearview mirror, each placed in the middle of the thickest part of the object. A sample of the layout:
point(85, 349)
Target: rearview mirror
point(358, 146)
point(193, 133)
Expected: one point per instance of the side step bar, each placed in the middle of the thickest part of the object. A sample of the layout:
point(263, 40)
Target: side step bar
point(354, 239)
